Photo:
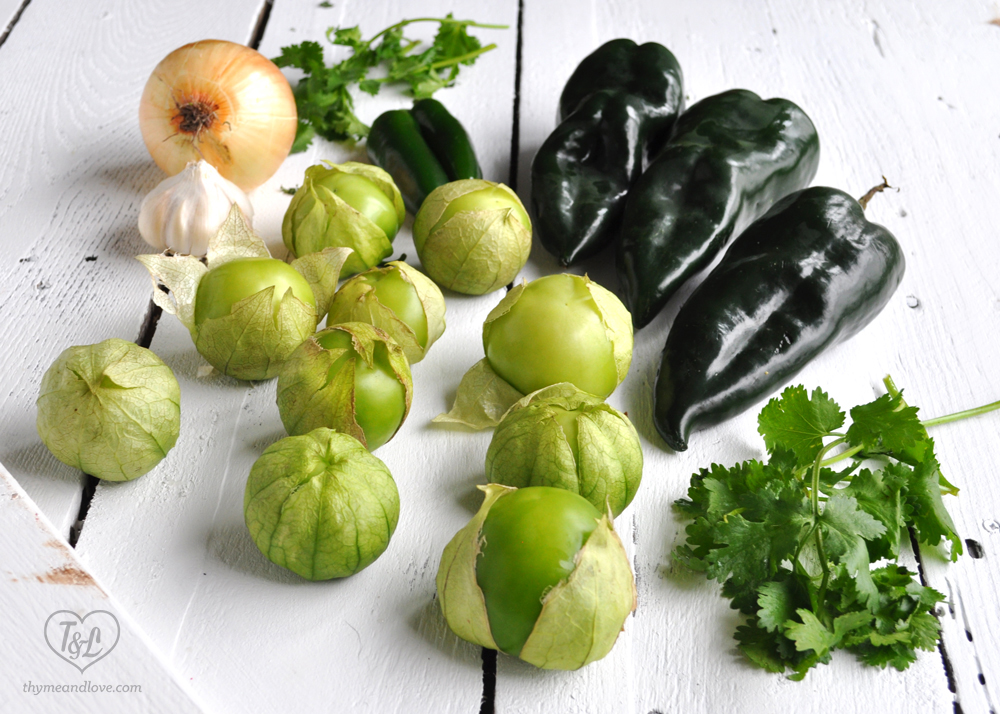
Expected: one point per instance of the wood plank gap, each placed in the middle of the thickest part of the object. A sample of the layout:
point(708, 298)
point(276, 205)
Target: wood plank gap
point(487, 703)
point(13, 21)
point(949, 667)
point(515, 135)
point(258, 30)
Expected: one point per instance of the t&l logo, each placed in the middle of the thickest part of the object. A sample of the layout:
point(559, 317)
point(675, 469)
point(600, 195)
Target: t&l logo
point(82, 641)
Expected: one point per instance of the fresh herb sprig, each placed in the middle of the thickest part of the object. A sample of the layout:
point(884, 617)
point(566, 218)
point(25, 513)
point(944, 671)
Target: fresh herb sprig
point(793, 540)
point(323, 96)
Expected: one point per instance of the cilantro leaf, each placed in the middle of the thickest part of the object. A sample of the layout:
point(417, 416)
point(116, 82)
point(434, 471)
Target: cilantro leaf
point(885, 425)
point(323, 96)
point(793, 540)
point(799, 422)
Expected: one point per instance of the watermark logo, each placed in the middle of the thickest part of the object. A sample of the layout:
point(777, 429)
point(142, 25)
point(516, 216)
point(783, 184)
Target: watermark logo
point(82, 641)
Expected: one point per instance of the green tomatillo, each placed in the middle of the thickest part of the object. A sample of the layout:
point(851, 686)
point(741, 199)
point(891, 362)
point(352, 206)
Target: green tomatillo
point(562, 437)
point(397, 298)
point(111, 410)
point(540, 574)
point(246, 311)
point(558, 328)
point(321, 505)
point(472, 236)
point(349, 205)
point(352, 378)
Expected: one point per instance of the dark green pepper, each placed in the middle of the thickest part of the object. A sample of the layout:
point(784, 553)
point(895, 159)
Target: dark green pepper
point(422, 148)
point(616, 109)
point(809, 274)
point(729, 158)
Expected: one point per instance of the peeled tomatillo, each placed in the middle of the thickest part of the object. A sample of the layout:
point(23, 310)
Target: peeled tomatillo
point(530, 539)
point(224, 286)
point(401, 297)
point(553, 333)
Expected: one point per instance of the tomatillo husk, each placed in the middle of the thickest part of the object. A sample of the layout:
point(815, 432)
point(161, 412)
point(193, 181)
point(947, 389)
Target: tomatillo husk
point(472, 236)
point(319, 218)
point(563, 437)
point(398, 299)
point(321, 505)
point(111, 410)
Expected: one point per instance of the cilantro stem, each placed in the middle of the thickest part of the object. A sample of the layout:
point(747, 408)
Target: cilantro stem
point(404, 23)
point(467, 56)
point(956, 416)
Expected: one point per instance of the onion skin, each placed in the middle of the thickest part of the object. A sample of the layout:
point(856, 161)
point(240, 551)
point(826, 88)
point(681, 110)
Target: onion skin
point(221, 102)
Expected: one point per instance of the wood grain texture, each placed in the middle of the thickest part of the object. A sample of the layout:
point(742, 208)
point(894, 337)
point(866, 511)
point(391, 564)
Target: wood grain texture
point(249, 635)
point(40, 575)
point(73, 170)
point(894, 89)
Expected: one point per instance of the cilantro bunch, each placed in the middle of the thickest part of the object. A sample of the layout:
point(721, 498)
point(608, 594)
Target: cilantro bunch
point(794, 540)
point(323, 96)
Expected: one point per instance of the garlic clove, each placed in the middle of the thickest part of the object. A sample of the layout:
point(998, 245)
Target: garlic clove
point(184, 211)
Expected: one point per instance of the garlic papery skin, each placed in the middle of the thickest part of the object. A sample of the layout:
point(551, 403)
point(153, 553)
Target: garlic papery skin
point(187, 209)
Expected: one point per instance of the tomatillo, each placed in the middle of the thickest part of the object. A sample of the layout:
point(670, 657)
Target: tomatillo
point(349, 205)
point(559, 328)
point(538, 573)
point(320, 505)
point(472, 236)
point(352, 378)
point(398, 299)
point(566, 438)
point(222, 287)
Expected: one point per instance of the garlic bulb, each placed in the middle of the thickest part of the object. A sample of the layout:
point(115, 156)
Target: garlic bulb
point(186, 210)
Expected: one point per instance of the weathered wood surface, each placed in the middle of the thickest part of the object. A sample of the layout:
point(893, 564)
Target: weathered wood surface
point(901, 89)
point(52, 606)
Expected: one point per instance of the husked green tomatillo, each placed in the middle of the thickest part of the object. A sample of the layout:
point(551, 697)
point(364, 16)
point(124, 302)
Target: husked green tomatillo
point(350, 205)
point(398, 299)
point(246, 311)
point(352, 378)
point(111, 410)
point(540, 574)
point(559, 328)
point(472, 236)
point(565, 438)
point(321, 505)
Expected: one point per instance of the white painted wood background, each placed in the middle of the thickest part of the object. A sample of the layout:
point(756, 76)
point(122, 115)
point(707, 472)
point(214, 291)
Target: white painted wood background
point(904, 89)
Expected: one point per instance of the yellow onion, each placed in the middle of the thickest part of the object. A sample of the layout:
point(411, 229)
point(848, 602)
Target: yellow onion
point(221, 102)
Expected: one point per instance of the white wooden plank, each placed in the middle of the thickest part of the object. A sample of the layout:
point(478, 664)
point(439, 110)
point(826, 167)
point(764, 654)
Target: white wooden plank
point(8, 13)
point(52, 605)
point(870, 75)
point(174, 547)
point(73, 170)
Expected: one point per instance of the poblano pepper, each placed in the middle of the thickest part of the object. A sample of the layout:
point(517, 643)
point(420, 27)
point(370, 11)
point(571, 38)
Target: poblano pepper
point(616, 109)
point(809, 274)
point(729, 158)
point(422, 148)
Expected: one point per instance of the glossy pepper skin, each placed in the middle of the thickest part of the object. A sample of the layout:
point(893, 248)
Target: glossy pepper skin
point(809, 274)
point(729, 158)
point(422, 148)
point(616, 109)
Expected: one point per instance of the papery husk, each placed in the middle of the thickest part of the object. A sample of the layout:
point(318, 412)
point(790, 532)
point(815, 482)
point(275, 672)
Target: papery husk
point(473, 252)
point(317, 218)
point(309, 399)
point(356, 301)
point(530, 448)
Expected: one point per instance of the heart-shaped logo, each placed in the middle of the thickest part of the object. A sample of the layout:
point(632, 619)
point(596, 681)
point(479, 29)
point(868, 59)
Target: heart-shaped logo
point(82, 641)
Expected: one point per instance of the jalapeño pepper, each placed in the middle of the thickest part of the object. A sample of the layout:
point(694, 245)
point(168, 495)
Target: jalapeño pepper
point(615, 110)
point(809, 274)
point(730, 157)
point(422, 148)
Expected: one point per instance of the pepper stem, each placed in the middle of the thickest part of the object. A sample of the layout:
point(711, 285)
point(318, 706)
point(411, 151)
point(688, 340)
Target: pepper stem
point(872, 191)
